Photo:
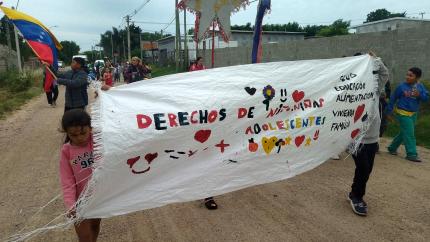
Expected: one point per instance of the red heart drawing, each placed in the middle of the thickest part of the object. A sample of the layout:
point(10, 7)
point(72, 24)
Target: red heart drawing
point(298, 95)
point(150, 157)
point(132, 161)
point(299, 140)
point(358, 112)
point(355, 133)
point(202, 135)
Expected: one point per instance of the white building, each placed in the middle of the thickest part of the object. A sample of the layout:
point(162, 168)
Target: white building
point(390, 24)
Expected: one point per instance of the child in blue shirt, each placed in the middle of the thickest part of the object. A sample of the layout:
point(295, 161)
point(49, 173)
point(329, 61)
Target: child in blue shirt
point(404, 103)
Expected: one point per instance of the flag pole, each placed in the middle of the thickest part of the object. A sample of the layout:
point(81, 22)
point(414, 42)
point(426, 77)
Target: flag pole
point(49, 69)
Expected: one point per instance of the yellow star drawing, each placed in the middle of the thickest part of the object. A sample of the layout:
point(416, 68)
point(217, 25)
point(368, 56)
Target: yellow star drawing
point(288, 140)
point(308, 141)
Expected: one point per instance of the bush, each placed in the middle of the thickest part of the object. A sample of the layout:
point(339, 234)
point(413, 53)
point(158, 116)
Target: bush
point(15, 82)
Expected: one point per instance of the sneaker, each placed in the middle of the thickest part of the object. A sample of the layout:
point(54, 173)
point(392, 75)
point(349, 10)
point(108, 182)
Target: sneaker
point(413, 159)
point(392, 152)
point(359, 206)
point(335, 157)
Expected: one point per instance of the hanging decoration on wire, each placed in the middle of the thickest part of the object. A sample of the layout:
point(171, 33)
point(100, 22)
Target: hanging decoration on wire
point(257, 51)
point(210, 11)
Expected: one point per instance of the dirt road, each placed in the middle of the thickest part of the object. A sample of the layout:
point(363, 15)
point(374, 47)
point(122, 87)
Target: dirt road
point(309, 207)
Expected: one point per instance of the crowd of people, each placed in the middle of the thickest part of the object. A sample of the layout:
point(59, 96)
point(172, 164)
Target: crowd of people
point(76, 124)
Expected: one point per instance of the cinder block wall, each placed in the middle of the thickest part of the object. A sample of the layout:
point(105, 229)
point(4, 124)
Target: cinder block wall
point(6, 60)
point(399, 49)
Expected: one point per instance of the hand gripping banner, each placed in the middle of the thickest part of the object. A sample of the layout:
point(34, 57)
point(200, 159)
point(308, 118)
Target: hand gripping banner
point(193, 135)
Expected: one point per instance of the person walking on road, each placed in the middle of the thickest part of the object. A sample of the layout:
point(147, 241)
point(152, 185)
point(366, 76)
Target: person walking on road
point(52, 94)
point(76, 84)
point(197, 66)
point(404, 103)
point(365, 155)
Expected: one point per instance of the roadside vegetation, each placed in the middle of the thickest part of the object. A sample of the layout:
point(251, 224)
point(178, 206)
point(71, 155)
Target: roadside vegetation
point(16, 89)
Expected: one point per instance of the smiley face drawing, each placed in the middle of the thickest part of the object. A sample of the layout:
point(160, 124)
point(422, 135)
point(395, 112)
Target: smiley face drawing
point(132, 162)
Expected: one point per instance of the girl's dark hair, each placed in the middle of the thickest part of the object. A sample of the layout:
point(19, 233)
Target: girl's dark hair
point(199, 58)
point(75, 117)
point(417, 71)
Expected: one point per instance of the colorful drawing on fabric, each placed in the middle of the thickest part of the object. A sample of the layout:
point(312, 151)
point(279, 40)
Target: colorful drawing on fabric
point(257, 51)
point(39, 38)
point(210, 11)
point(188, 136)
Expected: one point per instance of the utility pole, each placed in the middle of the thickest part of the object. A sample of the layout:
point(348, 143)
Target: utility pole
point(123, 47)
point(185, 40)
point(422, 14)
point(140, 45)
point(111, 42)
point(178, 37)
point(18, 49)
point(127, 18)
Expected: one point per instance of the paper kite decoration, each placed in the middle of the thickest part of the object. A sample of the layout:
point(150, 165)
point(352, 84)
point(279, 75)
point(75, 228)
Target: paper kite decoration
point(210, 11)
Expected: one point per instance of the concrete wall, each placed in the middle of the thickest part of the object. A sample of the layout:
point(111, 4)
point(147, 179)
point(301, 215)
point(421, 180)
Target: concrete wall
point(6, 60)
point(246, 38)
point(400, 49)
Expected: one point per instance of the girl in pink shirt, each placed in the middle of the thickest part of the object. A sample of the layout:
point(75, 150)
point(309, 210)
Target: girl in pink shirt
point(107, 77)
point(198, 65)
point(75, 168)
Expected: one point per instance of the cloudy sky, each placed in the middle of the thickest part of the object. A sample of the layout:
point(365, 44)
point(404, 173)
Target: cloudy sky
point(84, 20)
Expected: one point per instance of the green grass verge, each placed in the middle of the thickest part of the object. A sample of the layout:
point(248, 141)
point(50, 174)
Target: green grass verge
point(422, 128)
point(16, 90)
point(162, 71)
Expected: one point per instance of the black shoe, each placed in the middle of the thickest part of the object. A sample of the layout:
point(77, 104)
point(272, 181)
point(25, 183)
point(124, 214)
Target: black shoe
point(413, 159)
point(392, 152)
point(359, 206)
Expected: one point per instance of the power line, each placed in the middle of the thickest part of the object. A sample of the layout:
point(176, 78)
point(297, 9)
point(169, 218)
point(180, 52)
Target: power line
point(148, 22)
point(139, 8)
point(173, 19)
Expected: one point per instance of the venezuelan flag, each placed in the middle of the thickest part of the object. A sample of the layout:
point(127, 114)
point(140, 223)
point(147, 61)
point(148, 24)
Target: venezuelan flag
point(39, 38)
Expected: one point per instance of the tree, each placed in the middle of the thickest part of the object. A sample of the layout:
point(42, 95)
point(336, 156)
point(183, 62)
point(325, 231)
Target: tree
point(247, 27)
point(119, 39)
point(312, 30)
point(191, 31)
point(70, 48)
point(339, 27)
point(381, 14)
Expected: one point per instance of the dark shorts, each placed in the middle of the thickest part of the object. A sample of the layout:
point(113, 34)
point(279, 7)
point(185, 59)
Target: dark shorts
point(69, 108)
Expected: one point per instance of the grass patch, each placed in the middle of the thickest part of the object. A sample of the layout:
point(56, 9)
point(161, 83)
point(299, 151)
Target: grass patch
point(17, 89)
point(162, 71)
point(422, 128)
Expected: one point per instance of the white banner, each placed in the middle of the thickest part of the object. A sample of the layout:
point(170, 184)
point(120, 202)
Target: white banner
point(193, 135)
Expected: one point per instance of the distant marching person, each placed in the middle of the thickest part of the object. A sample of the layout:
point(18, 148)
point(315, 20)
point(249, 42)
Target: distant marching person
point(107, 77)
point(405, 103)
point(52, 94)
point(198, 66)
point(76, 82)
